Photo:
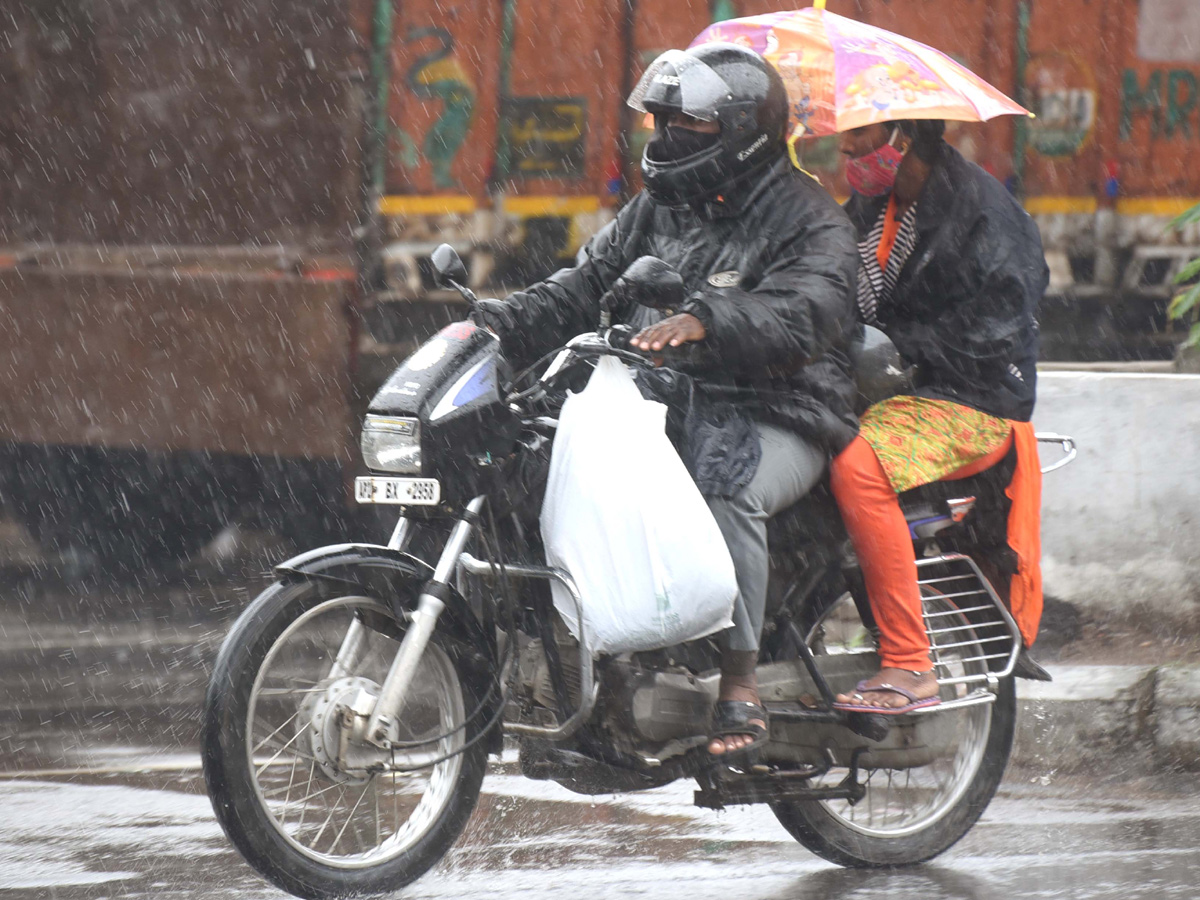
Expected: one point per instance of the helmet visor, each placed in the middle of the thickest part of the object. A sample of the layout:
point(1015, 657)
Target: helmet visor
point(679, 81)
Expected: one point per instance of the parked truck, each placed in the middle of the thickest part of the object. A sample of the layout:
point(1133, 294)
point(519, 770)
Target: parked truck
point(511, 133)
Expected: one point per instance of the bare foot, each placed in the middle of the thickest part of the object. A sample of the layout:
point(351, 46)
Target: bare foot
point(922, 686)
point(743, 688)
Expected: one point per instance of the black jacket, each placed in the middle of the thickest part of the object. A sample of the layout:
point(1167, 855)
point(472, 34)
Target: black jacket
point(964, 304)
point(777, 336)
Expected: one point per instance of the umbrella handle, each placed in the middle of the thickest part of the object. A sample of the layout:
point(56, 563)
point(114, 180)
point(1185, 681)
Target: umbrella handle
point(797, 133)
point(791, 145)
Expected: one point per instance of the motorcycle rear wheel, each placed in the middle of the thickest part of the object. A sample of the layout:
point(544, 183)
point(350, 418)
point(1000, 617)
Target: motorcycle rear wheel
point(301, 815)
point(886, 829)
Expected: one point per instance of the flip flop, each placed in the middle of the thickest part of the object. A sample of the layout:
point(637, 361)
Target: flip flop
point(736, 717)
point(914, 701)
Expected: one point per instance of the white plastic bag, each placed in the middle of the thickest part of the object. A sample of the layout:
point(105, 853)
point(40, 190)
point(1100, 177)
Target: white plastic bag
point(624, 517)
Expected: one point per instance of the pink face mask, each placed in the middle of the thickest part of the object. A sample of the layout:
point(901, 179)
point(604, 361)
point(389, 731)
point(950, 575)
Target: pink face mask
point(874, 173)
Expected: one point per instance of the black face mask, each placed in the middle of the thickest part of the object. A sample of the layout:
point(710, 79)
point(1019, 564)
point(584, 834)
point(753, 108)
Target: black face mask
point(675, 143)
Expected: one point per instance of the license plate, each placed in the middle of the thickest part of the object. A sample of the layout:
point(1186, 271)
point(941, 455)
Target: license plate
point(398, 491)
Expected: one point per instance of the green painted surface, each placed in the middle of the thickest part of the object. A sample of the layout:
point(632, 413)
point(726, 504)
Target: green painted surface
point(437, 75)
point(508, 26)
point(1021, 138)
point(722, 10)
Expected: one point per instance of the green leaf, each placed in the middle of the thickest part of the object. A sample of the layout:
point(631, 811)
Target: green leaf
point(1193, 338)
point(1187, 217)
point(1188, 272)
point(1184, 302)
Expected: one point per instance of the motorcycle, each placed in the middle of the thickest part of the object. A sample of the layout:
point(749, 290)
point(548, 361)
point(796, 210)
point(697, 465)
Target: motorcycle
point(355, 702)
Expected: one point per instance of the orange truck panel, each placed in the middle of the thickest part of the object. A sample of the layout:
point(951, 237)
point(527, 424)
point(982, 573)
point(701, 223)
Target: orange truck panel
point(445, 65)
point(1117, 85)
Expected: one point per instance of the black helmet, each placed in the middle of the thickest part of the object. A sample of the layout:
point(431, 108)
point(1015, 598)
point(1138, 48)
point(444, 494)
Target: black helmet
point(716, 82)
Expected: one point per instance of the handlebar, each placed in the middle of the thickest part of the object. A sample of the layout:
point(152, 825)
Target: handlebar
point(592, 345)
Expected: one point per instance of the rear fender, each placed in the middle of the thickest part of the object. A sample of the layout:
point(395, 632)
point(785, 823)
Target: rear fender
point(396, 577)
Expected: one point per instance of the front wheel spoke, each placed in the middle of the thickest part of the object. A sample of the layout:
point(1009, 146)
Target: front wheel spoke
point(262, 768)
point(325, 824)
point(309, 796)
point(291, 781)
point(290, 719)
point(312, 767)
point(349, 819)
point(298, 754)
point(375, 783)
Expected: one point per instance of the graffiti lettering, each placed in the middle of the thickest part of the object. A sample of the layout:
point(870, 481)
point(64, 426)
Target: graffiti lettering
point(1062, 91)
point(1179, 109)
point(546, 136)
point(1170, 97)
point(1135, 99)
point(438, 75)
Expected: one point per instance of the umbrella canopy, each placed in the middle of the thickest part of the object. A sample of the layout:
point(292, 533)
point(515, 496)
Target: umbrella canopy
point(842, 74)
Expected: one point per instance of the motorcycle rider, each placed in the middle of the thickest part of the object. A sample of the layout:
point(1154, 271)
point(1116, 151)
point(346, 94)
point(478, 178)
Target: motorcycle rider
point(769, 263)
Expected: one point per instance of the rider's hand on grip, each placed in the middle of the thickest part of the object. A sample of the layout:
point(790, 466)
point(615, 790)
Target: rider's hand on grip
point(494, 315)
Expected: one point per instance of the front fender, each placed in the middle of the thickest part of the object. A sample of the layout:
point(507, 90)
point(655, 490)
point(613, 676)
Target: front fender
point(393, 576)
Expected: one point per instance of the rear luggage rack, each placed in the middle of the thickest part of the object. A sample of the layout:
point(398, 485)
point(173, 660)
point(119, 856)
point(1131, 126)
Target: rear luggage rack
point(979, 621)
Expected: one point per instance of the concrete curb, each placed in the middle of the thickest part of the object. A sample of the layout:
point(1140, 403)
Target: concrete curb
point(1095, 717)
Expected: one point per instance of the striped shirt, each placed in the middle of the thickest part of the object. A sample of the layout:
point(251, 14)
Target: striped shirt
point(876, 284)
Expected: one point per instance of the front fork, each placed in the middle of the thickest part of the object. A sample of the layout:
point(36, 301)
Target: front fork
point(356, 635)
point(381, 727)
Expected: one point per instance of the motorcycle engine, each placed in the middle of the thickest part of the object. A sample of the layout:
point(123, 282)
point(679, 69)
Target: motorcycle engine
point(658, 705)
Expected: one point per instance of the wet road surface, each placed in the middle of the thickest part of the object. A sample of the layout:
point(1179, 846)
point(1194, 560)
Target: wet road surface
point(136, 823)
point(101, 797)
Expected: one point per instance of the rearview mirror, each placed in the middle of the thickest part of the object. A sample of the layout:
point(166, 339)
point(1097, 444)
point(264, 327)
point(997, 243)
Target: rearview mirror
point(448, 268)
point(651, 282)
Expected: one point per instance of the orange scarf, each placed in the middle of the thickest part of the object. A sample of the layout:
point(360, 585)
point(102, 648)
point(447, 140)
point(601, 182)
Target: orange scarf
point(887, 240)
point(1024, 533)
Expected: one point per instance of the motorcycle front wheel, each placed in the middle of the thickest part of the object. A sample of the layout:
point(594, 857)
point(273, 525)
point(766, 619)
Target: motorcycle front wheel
point(314, 810)
point(910, 815)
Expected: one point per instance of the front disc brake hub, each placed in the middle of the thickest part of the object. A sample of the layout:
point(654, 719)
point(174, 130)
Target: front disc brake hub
point(336, 731)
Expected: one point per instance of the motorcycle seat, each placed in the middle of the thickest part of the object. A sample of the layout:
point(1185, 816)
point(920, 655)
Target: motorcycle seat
point(977, 501)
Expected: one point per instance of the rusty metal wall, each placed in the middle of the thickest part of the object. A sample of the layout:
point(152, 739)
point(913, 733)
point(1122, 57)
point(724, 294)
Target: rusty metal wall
point(178, 360)
point(179, 121)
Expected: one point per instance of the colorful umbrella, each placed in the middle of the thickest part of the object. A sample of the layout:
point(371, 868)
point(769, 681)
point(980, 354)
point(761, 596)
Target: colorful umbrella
point(842, 74)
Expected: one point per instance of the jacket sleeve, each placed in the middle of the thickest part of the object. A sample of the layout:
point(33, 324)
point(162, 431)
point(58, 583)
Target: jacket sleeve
point(801, 306)
point(548, 314)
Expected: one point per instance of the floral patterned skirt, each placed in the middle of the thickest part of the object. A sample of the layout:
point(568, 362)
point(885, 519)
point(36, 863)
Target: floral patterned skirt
point(919, 440)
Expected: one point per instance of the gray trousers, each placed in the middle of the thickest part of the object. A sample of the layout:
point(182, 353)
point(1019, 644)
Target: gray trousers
point(789, 468)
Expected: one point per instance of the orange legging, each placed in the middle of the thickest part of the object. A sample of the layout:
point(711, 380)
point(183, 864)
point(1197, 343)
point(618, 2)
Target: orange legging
point(871, 510)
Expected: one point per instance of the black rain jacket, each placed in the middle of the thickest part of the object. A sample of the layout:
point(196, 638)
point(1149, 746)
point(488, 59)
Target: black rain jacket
point(964, 306)
point(771, 274)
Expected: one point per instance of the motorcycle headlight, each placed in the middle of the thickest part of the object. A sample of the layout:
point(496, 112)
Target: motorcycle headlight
point(391, 444)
